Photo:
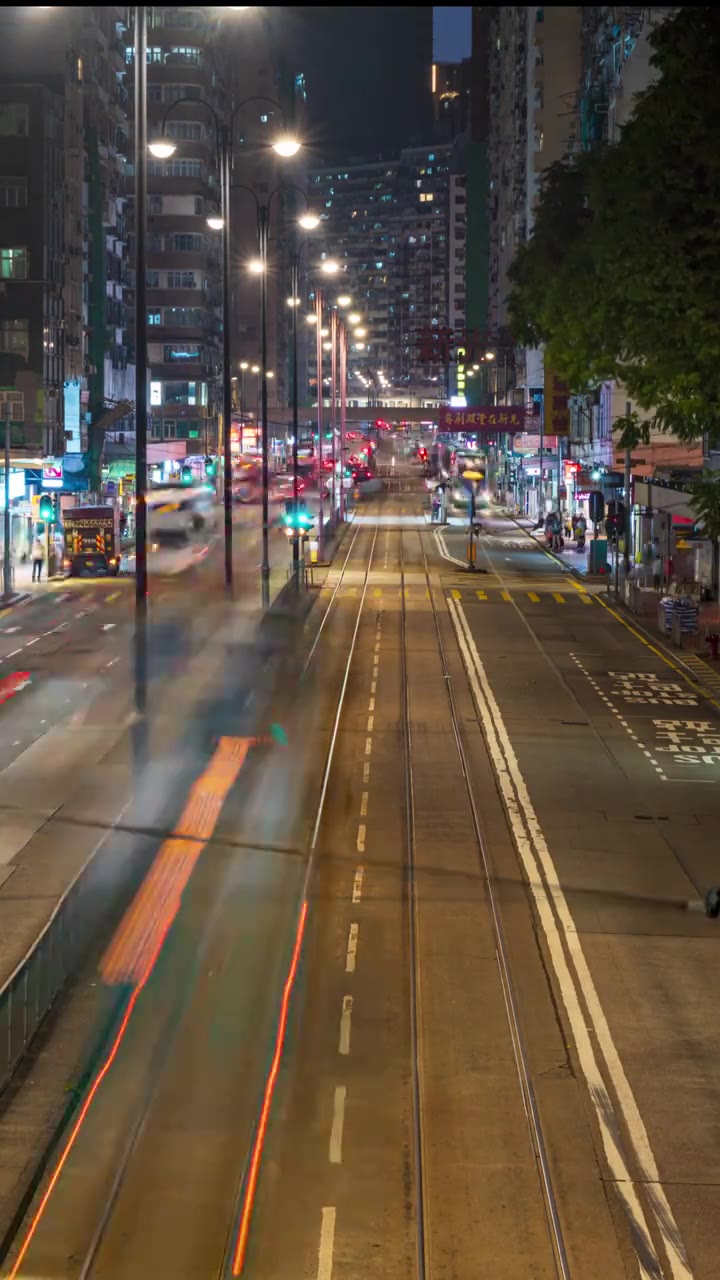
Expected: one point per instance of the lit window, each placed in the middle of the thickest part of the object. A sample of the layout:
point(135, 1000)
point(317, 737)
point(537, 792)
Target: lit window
point(154, 317)
point(15, 337)
point(13, 264)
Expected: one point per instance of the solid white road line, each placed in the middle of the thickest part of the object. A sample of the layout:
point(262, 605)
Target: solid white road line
point(327, 1244)
point(338, 1120)
point(357, 884)
point(351, 954)
point(345, 1024)
point(444, 551)
point(533, 849)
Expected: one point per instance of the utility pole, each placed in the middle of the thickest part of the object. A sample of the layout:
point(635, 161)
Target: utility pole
point(140, 367)
point(7, 563)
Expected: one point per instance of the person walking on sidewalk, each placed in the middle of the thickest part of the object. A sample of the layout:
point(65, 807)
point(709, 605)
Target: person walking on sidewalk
point(38, 557)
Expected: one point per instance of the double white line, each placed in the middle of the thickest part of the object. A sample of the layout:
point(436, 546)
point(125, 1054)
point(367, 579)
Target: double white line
point(576, 986)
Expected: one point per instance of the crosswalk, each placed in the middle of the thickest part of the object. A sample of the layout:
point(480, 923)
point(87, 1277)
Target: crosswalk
point(490, 595)
point(469, 595)
point(704, 674)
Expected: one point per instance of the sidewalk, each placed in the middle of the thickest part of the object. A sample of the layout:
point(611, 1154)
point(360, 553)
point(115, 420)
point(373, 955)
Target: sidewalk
point(569, 556)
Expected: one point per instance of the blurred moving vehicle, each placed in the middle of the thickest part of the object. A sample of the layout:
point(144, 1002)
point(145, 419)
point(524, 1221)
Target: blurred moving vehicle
point(91, 541)
point(180, 511)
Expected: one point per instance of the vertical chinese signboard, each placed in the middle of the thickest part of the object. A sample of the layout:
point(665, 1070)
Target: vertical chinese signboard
point(557, 410)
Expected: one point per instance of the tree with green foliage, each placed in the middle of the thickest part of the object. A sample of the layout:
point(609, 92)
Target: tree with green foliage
point(705, 502)
point(620, 276)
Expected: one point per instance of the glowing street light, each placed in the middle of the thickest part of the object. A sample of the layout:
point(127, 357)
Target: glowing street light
point(309, 221)
point(257, 266)
point(215, 221)
point(344, 300)
point(286, 146)
point(330, 267)
point(354, 318)
point(162, 148)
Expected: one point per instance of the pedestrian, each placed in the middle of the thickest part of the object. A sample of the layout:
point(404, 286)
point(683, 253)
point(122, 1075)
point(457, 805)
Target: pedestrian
point(657, 569)
point(38, 556)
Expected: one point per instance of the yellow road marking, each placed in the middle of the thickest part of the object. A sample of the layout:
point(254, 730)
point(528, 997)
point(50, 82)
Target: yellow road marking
point(481, 595)
point(658, 652)
point(506, 595)
point(456, 595)
point(114, 596)
point(556, 596)
point(586, 599)
point(534, 597)
point(377, 591)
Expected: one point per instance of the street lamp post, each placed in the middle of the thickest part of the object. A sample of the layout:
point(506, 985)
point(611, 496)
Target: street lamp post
point(141, 586)
point(343, 411)
point(319, 350)
point(295, 303)
point(7, 566)
point(284, 146)
point(333, 408)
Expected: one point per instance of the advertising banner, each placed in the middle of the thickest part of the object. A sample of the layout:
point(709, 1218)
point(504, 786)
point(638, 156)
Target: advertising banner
point(489, 418)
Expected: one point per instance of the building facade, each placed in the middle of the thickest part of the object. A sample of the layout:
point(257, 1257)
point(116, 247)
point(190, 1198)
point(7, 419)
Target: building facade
point(393, 226)
point(63, 145)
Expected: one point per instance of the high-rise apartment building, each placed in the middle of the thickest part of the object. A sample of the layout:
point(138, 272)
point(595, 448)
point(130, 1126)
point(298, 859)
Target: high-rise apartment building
point(397, 228)
point(184, 297)
point(63, 317)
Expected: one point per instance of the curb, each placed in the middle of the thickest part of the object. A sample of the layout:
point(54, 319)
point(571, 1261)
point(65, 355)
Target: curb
point(673, 655)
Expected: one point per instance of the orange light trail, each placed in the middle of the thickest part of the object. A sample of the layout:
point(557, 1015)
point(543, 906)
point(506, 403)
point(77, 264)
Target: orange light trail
point(259, 1143)
point(140, 938)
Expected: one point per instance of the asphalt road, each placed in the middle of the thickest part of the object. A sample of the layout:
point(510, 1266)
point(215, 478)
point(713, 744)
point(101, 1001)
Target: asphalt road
point(462, 1056)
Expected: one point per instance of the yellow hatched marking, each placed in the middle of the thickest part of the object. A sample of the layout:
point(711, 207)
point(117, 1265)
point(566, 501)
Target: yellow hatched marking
point(506, 595)
point(456, 595)
point(533, 595)
point(377, 591)
point(560, 599)
point(481, 595)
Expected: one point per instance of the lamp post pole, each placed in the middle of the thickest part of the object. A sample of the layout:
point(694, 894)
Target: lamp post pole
point(224, 145)
point(295, 296)
point(318, 337)
point(263, 245)
point(7, 566)
point(343, 411)
point(333, 408)
point(140, 650)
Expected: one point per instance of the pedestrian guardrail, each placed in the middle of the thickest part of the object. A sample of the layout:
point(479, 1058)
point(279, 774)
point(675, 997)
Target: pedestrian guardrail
point(65, 942)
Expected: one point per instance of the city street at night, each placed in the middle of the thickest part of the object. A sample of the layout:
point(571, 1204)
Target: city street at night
point(359, 643)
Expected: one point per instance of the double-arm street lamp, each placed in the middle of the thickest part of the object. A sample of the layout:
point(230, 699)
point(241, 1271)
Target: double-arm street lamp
point(219, 220)
point(259, 266)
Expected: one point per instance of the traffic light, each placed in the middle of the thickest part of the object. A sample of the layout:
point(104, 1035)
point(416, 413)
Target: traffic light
point(597, 506)
point(47, 508)
point(297, 518)
point(211, 468)
point(615, 522)
point(186, 475)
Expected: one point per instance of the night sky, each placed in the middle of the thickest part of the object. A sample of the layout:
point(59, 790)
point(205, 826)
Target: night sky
point(451, 32)
point(368, 77)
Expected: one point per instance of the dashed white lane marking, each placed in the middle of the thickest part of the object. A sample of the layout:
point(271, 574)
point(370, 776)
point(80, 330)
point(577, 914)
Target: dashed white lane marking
point(373, 686)
point(619, 717)
point(361, 838)
point(107, 626)
point(366, 772)
point(358, 884)
point(29, 642)
point(327, 1243)
point(351, 953)
point(345, 1025)
point(363, 804)
point(12, 655)
point(368, 746)
point(371, 704)
point(371, 722)
point(338, 1121)
point(8, 631)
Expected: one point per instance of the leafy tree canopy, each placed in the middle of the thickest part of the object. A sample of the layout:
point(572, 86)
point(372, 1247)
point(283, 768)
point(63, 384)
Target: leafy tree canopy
point(620, 276)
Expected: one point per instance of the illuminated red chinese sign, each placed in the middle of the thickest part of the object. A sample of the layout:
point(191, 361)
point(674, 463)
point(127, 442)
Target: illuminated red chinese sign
point(501, 417)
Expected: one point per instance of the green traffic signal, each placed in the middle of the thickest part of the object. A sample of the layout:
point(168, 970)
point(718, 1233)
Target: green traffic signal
point(186, 475)
point(211, 468)
point(47, 508)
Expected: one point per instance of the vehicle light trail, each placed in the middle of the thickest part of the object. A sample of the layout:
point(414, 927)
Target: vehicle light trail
point(140, 937)
point(259, 1143)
